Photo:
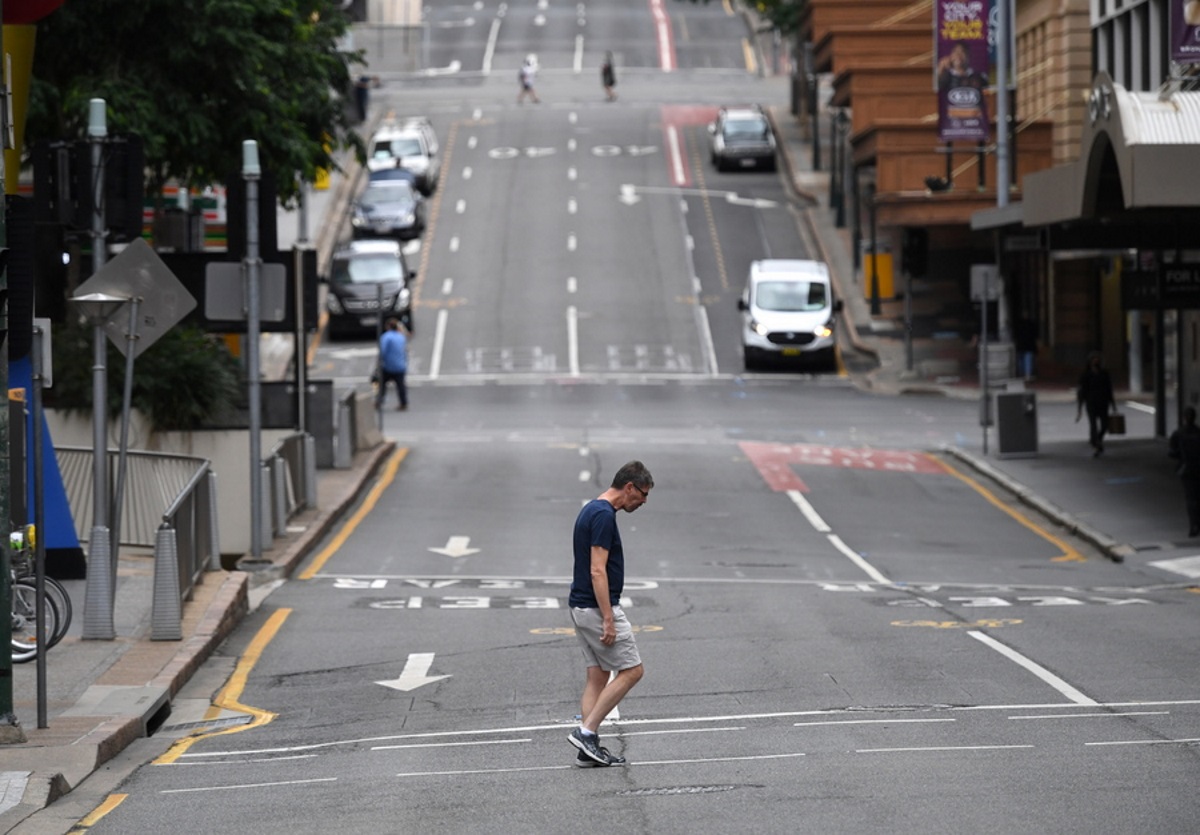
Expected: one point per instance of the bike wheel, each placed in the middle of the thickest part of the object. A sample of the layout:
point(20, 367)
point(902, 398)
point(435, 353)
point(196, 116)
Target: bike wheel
point(56, 592)
point(24, 621)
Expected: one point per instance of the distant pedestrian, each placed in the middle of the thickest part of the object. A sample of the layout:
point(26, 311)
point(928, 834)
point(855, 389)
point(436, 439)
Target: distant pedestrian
point(1184, 447)
point(1095, 395)
point(526, 77)
point(604, 633)
point(393, 363)
point(608, 77)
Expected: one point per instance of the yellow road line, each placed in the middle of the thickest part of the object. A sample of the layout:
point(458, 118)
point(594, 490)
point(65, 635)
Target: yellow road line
point(231, 693)
point(339, 539)
point(748, 53)
point(93, 817)
point(1068, 554)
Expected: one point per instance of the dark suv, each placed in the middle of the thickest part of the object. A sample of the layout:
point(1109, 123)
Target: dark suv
point(742, 138)
point(359, 275)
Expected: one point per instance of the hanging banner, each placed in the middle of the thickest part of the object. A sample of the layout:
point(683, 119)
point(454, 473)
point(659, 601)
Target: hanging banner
point(1185, 31)
point(960, 52)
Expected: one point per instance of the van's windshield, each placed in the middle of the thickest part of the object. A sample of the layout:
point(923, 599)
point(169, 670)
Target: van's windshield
point(791, 296)
point(366, 269)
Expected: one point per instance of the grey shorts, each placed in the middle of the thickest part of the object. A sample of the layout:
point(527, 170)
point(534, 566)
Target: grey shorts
point(622, 655)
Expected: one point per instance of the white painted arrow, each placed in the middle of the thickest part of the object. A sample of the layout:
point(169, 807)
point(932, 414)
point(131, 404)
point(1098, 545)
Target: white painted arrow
point(753, 202)
point(456, 546)
point(415, 673)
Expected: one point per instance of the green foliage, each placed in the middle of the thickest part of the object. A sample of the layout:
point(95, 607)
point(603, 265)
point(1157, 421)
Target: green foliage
point(184, 381)
point(195, 78)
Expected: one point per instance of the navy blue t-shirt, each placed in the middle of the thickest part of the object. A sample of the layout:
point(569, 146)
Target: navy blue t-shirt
point(596, 525)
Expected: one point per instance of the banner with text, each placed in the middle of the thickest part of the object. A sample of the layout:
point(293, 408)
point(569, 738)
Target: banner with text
point(1185, 31)
point(960, 54)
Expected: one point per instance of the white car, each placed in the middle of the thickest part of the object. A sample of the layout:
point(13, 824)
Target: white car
point(410, 144)
point(788, 312)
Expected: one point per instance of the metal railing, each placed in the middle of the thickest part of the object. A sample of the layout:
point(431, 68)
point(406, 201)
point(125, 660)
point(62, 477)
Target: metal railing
point(153, 482)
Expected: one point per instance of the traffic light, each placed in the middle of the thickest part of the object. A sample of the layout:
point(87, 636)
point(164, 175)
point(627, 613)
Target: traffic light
point(915, 251)
point(63, 188)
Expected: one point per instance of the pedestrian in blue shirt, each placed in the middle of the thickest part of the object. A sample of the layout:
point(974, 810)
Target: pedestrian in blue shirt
point(393, 363)
point(605, 634)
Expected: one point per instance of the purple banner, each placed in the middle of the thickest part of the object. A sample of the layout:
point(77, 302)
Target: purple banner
point(1185, 31)
point(961, 69)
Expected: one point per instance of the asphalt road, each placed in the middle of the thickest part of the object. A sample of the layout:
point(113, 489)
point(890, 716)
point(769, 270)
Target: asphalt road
point(843, 631)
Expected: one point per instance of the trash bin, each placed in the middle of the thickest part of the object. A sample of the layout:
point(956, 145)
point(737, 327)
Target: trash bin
point(1016, 424)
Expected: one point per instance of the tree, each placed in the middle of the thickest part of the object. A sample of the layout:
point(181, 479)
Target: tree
point(195, 78)
point(783, 15)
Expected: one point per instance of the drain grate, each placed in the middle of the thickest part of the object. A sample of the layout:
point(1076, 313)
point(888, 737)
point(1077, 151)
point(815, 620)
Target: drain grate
point(211, 725)
point(675, 790)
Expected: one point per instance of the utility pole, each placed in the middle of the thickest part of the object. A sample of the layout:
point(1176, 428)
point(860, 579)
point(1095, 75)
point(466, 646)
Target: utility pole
point(251, 171)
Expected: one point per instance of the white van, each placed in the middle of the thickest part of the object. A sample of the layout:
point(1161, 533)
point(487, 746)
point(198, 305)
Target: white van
point(788, 313)
point(411, 145)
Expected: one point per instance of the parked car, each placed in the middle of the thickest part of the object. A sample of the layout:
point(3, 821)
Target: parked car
point(359, 275)
point(411, 145)
point(388, 208)
point(788, 314)
point(742, 138)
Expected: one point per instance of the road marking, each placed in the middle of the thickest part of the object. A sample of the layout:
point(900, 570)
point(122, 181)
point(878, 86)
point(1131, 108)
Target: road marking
point(439, 340)
point(93, 817)
point(454, 243)
point(868, 722)
point(450, 744)
point(456, 546)
point(447, 287)
point(339, 539)
point(1096, 715)
point(460, 206)
point(578, 62)
point(676, 155)
point(1068, 554)
point(674, 720)
point(231, 693)
point(683, 731)
point(697, 761)
point(810, 514)
point(251, 785)
point(572, 335)
point(941, 748)
point(490, 50)
point(1187, 566)
point(1037, 669)
point(856, 558)
point(662, 28)
point(1148, 742)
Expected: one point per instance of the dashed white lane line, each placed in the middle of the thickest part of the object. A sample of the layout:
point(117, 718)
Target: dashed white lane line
point(940, 748)
point(461, 772)
point(450, 744)
point(810, 514)
point(856, 558)
point(1032, 666)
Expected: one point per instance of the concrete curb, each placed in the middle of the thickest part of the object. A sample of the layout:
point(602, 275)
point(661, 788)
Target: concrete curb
point(1115, 551)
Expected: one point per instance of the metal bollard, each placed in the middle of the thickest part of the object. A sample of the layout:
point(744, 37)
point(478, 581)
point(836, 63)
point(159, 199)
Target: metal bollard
point(166, 617)
point(98, 590)
point(310, 471)
point(279, 471)
point(343, 453)
point(214, 526)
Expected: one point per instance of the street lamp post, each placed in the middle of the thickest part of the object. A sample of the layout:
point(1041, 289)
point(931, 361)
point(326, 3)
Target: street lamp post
point(876, 307)
point(251, 171)
point(100, 586)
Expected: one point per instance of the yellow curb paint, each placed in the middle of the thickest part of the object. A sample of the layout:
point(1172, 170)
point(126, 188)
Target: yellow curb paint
point(93, 817)
point(1068, 554)
point(231, 693)
point(339, 539)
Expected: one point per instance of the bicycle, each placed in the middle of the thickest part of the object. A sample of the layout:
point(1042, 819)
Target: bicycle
point(57, 609)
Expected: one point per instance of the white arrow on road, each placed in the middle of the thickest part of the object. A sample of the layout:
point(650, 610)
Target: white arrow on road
point(456, 546)
point(415, 674)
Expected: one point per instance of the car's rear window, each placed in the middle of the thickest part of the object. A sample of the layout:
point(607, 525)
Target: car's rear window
point(402, 147)
point(387, 191)
point(791, 296)
point(366, 269)
point(746, 128)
